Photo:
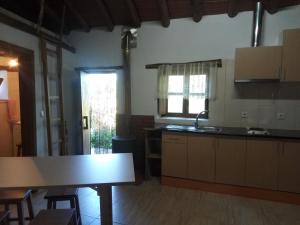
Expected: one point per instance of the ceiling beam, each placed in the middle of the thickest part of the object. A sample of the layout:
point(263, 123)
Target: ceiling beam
point(105, 14)
point(164, 12)
point(273, 6)
point(133, 12)
point(232, 9)
point(197, 12)
point(31, 29)
point(86, 27)
point(53, 15)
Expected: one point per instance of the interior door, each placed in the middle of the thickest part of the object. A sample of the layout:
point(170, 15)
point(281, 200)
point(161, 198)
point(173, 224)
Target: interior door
point(86, 128)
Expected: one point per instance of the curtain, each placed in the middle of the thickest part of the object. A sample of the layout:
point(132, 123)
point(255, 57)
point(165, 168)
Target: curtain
point(185, 69)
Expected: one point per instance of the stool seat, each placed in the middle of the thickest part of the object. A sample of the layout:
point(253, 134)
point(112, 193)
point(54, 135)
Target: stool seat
point(61, 193)
point(55, 217)
point(4, 217)
point(64, 194)
point(13, 195)
point(17, 197)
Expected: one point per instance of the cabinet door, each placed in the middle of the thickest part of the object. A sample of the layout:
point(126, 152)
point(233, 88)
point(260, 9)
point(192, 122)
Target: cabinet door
point(289, 168)
point(174, 155)
point(262, 163)
point(201, 158)
point(231, 161)
point(291, 55)
point(291, 65)
point(261, 63)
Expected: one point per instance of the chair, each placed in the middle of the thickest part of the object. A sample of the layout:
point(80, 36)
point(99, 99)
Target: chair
point(4, 218)
point(64, 194)
point(55, 217)
point(17, 197)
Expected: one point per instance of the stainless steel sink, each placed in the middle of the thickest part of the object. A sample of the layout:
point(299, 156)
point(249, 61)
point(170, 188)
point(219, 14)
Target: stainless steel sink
point(204, 129)
point(257, 131)
point(207, 129)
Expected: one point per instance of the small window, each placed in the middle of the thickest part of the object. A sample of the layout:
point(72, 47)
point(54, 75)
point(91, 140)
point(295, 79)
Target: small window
point(187, 95)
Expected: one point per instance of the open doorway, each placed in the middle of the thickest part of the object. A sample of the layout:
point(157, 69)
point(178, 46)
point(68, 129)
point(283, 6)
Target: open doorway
point(24, 76)
point(99, 105)
point(10, 114)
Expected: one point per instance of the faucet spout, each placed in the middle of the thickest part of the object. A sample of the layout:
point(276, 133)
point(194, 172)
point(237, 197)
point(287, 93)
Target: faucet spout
point(198, 116)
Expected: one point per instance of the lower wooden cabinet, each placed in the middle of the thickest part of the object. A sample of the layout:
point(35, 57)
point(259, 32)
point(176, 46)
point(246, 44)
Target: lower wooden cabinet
point(252, 162)
point(262, 163)
point(174, 155)
point(289, 167)
point(201, 158)
point(231, 161)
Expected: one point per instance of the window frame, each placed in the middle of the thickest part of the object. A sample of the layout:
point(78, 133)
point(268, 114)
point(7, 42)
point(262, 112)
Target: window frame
point(185, 104)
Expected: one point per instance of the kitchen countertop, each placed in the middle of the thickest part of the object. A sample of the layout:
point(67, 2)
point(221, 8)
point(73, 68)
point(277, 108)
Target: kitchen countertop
point(235, 131)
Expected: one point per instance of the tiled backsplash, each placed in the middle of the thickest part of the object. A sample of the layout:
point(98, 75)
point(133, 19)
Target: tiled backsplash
point(263, 103)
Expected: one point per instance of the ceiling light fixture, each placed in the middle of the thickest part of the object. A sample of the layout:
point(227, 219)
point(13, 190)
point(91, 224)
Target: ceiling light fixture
point(13, 63)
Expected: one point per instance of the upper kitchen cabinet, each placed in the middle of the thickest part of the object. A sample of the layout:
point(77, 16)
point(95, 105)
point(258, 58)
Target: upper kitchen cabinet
point(259, 63)
point(291, 55)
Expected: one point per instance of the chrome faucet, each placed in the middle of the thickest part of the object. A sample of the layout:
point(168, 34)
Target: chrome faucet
point(197, 118)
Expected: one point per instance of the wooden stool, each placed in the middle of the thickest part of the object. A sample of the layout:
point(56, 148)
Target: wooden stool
point(64, 194)
point(16, 197)
point(4, 218)
point(55, 217)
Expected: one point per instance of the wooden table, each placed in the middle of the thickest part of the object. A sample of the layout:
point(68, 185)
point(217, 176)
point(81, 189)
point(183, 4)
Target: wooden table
point(101, 171)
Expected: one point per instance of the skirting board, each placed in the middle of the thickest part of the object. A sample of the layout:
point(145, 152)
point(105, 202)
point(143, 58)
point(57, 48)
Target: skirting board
point(277, 196)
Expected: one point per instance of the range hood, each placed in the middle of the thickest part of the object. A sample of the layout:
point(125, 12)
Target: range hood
point(258, 63)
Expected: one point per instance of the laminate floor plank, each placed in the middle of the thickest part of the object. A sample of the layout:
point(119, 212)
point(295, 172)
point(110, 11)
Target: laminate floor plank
point(153, 204)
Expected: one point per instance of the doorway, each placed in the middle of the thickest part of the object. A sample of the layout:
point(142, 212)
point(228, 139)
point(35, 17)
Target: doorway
point(99, 106)
point(10, 116)
point(26, 93)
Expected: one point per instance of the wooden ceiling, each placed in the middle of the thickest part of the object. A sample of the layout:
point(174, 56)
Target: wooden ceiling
point(86, 14)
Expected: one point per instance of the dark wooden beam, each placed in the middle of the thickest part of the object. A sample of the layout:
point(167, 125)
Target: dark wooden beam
point(105, 14)
point(53, 16)
point(86, 27)
point(164, 12)
point(197, 12)
point(273, 6)
point(232, 8)
point(32, 30)
point(156, 65)
point(133, 12)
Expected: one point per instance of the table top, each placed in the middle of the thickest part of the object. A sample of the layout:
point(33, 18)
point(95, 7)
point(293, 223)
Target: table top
point(66, 171)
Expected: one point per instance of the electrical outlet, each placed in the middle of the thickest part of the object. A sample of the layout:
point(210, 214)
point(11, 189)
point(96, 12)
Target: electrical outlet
point(244, 115)
point(281, 116)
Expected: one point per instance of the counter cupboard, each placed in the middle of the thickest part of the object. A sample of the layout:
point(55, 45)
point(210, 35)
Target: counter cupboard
point(264, 163)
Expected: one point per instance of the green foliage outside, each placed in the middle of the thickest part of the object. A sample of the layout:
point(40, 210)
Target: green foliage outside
point(102, 138)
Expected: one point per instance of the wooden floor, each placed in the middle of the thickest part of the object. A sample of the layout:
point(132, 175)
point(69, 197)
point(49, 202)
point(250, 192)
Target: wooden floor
point(153, 204)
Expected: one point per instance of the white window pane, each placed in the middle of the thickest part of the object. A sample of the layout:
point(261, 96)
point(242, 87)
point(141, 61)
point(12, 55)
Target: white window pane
point(175, 103)
point(175, 84)
point(197, 83)
point(196, 104)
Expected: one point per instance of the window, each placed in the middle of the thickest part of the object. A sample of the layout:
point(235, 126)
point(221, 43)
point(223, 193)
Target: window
point(187, 95)
point(184, 88)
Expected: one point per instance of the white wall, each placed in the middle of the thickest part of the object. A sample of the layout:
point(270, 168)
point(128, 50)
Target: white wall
point(4, 85)
point(214, 37)
point(17, 37)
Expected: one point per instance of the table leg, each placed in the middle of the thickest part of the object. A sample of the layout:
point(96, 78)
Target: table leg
point(105, 195)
